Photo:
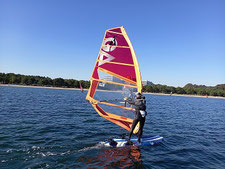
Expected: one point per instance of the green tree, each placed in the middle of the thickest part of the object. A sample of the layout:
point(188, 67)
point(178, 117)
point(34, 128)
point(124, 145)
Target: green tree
point(155, 89)
point(180, 90)
point(171, 89)
point(58, 82)
point(25, 80)
point(213, 92)
point(221, 92)
point(147, 88)
point(189, 90)
point(201, 92)
point(45, 81)
point(85, 84)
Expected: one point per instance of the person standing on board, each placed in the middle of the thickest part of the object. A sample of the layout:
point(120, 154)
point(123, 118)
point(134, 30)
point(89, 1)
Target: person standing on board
point(140, 110)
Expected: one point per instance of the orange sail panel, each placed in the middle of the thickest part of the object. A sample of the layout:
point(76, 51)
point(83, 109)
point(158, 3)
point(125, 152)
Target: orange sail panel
point(116, 70)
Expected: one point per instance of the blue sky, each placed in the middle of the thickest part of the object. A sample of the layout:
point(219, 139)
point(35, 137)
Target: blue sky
point(176, 41)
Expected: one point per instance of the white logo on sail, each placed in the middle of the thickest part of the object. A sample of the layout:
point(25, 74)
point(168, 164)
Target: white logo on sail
point(108, 48)
point(101, 58)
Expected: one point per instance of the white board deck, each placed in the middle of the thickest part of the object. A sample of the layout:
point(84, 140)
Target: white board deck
point(145, 141)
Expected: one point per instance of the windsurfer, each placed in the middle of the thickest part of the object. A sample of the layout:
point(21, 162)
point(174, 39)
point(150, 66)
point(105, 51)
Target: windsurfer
point(140, 110)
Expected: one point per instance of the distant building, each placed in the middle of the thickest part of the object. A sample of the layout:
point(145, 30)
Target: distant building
point(115, 79)
point(101, 84)
point(109, 86)
point(108, 78)
point(112, 79)
point(146, 82)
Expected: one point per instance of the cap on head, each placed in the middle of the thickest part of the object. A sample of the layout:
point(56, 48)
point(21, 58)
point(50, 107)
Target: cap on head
point(138, 94)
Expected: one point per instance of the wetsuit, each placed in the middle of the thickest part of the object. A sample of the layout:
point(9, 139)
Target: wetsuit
point(140, 104)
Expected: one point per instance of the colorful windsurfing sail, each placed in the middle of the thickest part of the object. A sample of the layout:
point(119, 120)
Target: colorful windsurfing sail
point(116, 74)
point(81, 88)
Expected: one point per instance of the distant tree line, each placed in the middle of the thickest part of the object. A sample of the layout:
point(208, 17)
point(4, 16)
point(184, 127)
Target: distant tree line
point(191, 89)
point(11, 78)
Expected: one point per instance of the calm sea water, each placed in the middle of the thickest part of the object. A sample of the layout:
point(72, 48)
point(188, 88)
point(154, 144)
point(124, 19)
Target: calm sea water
point(46, 128)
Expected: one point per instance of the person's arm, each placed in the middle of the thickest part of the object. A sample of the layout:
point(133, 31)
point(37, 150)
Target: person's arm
point(131, 102)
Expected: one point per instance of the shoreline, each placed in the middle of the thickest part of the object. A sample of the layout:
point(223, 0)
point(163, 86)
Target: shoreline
point(186, 95)
point(63, 88)
point(41, 87)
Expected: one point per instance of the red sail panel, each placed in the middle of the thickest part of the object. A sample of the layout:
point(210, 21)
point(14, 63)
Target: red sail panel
point(127, 72)
point(120, 55)
point(95, 72)
point(94, 85)
point(101, 110)
point(120, 40)
point(123, 122)
point(115, 30)
point(81, 88)
point(115, 49)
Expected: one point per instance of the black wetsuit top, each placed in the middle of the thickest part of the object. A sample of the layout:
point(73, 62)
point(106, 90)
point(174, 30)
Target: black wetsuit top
point(139, 104)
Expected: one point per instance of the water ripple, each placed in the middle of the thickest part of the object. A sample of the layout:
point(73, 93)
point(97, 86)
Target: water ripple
point(42, 128)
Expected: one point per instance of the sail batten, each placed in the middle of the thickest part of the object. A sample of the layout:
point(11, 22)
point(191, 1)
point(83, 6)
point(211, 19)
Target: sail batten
point(117, 61)
point(115, 105)
point(119, 76)
point(122, 84)
point(115, 32)
point(116, 46)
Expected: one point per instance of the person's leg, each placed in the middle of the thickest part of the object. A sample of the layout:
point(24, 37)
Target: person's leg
point(142, 122)
point(132, 128)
